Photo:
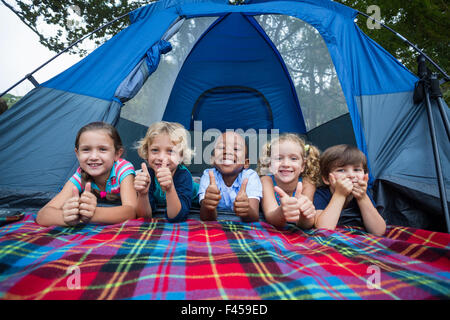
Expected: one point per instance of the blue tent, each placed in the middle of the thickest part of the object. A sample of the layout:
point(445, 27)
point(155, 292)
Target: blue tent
point(299, 66)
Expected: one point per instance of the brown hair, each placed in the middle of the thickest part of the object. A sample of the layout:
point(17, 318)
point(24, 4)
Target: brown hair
point(99, 125)
point(310, 155)
point(341, 155)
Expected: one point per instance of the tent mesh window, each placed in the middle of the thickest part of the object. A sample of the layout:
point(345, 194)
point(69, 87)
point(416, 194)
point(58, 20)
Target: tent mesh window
point(150, 102)
point(308, 61)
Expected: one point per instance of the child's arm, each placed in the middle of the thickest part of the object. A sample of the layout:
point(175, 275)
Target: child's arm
point(62, 210)
point(165, 179)
point(247, 209)
point(373, 222)
point(178, 195)
point(329, 217)
point(121, 213)
point(142, 185)
point(272, 211)
point(208, 206)
point(307, 210)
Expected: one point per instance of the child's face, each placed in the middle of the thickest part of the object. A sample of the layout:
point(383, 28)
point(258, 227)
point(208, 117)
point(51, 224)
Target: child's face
point(163, 149)
point(96, 153)
point(352, 172)
point(286, 161)
point(229, 154)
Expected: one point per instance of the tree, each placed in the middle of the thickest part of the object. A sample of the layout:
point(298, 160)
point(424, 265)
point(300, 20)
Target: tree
point(60, 23)
point(10, 99)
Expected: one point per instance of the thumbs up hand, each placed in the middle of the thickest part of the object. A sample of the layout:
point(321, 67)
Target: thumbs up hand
point(164, 176)
point(241, 203)
point(212, 194)
point(342, 186)
point(142, 180)
point(305, 205)
point(71, 215)
point(289, 205)
point(360, 187)
point(88, 203)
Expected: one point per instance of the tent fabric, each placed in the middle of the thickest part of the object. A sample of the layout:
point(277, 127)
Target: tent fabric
point(212, 63)
point(397, 147)
point(37, 135)
point(38, 140)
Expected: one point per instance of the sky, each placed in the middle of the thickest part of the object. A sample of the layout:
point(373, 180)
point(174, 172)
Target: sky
point(21, 53)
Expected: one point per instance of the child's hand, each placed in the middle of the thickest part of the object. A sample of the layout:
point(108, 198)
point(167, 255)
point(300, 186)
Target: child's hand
point(88, 203)
point(212, 194)
point(306, 206)
point(142, 180)
point(241, 204)
point(164, 176)
point(71, 215)
point(289, 205)
point(342, 186)
point(360, 188)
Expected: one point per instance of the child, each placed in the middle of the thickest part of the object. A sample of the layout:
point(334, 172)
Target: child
point(168, 182)
point(344, 200)
point(101, 174)
point(289, 169)
point(230, 185)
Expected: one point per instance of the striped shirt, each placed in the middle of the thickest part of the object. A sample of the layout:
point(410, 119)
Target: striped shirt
point(120, 169)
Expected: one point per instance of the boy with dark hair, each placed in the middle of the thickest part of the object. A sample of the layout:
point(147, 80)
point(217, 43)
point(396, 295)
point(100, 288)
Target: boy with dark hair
point(344, 199)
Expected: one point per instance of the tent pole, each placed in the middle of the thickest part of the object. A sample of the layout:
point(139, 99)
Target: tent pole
point(436, 94)
point(426, 84)
point(437, 160)
point(446, 77)
point(30, 75)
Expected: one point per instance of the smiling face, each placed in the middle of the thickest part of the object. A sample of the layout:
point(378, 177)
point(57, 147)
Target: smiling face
point(96, 154)
point(286, 161)
point(230, 154)
point(160, 149)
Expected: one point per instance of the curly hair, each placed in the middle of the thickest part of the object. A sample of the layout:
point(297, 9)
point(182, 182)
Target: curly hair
point(177, 133)
point(310, 155)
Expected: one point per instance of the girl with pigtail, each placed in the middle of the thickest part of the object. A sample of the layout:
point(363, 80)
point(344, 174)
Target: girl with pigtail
point(102, 176)
point(289, 170)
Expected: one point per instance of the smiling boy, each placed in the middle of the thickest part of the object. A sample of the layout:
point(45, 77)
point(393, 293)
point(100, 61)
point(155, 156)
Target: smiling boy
point(230, 185)
point(344, 199)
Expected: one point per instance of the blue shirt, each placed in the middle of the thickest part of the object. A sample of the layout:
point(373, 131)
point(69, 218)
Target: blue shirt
point(350, 215)
point(228, 194)
point(182, 181)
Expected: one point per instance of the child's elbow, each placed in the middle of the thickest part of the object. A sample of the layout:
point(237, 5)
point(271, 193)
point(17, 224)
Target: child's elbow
point(380, 231)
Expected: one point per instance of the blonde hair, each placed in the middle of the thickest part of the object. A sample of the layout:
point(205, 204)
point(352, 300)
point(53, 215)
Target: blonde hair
point(310, 155)
point(177, 134)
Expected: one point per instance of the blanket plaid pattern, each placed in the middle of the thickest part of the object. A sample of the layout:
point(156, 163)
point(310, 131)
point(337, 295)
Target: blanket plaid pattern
point(226, 259)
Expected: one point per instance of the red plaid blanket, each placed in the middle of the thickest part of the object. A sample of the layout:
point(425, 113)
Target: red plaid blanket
point(227, 259)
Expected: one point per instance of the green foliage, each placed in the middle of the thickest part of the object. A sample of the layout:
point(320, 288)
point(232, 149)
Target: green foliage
point(10, 99)
point(73, 19)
